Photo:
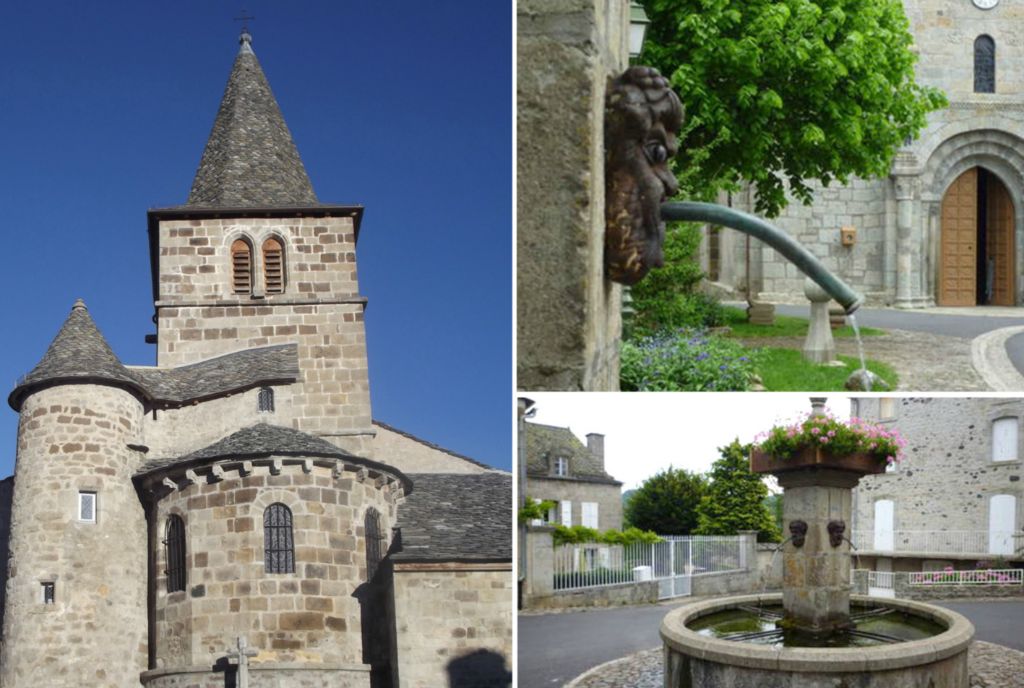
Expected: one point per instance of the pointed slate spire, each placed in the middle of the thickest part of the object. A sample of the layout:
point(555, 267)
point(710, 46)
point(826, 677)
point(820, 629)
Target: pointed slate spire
point(78, 353)
point(250, 159)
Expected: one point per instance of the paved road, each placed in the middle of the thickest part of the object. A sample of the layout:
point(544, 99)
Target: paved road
point(947, 322)
point(555, 648)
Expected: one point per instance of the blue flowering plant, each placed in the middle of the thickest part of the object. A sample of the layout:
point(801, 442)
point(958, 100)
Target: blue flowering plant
point(838, 437)
point(688, 360)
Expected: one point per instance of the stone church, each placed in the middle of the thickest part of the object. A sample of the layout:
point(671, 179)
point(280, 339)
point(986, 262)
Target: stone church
point(233, 515)
point(947, 226)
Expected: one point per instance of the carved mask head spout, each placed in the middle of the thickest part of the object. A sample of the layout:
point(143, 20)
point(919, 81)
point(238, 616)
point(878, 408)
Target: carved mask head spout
point(835, 532)
point(798, 529)
point(642, 118)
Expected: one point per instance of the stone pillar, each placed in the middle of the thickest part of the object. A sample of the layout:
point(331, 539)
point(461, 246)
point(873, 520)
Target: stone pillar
point(819, 347)
point(568, 315)
point(748, 553)
point(905, 276)
point(540, 557)
point(816, 575)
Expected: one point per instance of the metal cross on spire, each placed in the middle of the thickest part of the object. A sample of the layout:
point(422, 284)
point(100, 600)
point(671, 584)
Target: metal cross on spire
point(244, 18)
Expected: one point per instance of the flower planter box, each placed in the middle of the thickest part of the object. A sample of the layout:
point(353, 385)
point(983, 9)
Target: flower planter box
point(815, 457)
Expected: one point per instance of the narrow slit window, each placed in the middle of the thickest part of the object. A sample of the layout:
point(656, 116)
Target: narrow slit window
point(376, 542)
point(87, 507)
point(174, 544)
point(273, 266)
point(278, 545)
point(241, 267)
point(265, 404)
point(49, 592)
point(984, 64)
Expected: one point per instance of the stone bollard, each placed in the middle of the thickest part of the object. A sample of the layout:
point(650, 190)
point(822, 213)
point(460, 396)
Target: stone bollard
point(819, 347)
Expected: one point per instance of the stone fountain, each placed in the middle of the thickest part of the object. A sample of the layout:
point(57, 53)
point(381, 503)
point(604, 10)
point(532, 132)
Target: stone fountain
point(815, 634)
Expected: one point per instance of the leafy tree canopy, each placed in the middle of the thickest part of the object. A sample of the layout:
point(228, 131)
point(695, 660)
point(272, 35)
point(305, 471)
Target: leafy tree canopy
point(667, 502)
point(783, 92)
point(734, 500)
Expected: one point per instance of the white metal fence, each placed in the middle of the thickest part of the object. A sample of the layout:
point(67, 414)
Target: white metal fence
point(977, 577)
point(881, 584)
point(671, 562)
point(978, 542)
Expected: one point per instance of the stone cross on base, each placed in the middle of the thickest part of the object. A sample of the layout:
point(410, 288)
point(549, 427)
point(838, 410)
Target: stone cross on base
point(242, 655)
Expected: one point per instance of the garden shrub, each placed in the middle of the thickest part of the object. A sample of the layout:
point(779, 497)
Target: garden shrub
point(686, 360)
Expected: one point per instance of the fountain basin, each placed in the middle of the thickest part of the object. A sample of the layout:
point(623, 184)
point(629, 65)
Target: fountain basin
point(693, 660)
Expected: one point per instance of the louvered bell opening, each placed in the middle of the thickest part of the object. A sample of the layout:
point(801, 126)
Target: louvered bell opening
point(241, 267)
point(273, 265)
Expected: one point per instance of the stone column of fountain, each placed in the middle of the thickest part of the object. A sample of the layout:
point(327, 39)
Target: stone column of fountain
point(819, 346)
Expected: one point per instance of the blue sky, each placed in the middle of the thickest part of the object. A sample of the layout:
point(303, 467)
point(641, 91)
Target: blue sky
point(403, 107)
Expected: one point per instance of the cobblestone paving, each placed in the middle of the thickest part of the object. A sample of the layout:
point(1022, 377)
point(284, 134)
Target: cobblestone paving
point(925, 362)
point(991, 666)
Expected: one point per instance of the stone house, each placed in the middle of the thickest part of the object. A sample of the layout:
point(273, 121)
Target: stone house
point(947, 226)
point(233, 515)
point(955, 499)
point(559, 468)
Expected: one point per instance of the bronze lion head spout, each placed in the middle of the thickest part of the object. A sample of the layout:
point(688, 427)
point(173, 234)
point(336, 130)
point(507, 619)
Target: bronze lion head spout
point(642, 118)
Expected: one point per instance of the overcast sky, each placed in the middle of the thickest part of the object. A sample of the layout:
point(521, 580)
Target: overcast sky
point(645, 433)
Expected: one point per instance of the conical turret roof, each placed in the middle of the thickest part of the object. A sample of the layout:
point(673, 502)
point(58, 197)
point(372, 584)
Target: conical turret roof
point(78, 354)
point(250, 159)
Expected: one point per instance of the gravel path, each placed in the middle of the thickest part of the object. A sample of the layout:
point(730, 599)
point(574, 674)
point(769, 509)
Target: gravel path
point(925, 362)
point(990, 665)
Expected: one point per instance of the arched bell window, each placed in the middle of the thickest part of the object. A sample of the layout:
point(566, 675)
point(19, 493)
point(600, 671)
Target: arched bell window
point(273, 266)
point(278, 545)
point(241, 267)
point(174, 544)
point(984, 64)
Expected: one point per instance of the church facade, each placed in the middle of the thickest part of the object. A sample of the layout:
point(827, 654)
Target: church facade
point(234, 515)
point(946, 227)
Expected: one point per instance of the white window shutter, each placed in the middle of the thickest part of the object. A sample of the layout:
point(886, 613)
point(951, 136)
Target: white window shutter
point(1004, 439)
point(589, 514)
point(566, 516)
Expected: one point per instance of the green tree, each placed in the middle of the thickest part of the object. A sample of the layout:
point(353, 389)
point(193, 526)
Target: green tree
point(781, 92)
point(734, 500)
point(667, 502)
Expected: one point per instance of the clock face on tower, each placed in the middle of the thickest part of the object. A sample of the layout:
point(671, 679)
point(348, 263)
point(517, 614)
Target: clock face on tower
point(985, 4)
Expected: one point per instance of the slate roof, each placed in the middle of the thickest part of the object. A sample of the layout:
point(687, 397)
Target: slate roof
point(250, 159)
point(457, 517)
point(229, 373)
point(78, 353)
point(545, 442)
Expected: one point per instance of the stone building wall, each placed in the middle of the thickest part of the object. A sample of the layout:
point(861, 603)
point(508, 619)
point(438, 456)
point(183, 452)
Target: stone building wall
point(321, 310)
point(311, 616)
point(453, 625)
point(76, 438)
point(947, 477)
point(6, 503)
point(608, 498)
point(410, 455)
point(568, 319)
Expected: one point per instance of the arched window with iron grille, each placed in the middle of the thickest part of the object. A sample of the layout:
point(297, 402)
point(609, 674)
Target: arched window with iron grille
point(174, 543)
point(266, 400)
point(241, 267)
point(273, 266)
point(376, 542)
point(278, 546)
point(984, 64)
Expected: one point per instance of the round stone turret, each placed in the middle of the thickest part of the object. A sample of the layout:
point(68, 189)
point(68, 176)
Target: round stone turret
point(76, 592)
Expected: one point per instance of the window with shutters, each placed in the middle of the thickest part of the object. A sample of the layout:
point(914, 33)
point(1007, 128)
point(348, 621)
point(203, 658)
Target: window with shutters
point(87, 507)
point(376, 542)
point(278, 546)
point(1004, 439)
point(273, 266)
point(984, 64)
point(241, 267)
point(174, 547)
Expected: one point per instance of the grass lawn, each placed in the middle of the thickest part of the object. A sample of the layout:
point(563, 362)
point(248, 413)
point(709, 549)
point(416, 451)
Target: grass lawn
point(785, 326)
point(785, 370)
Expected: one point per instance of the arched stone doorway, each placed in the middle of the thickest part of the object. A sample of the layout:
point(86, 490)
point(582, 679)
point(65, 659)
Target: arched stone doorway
point(977, 261)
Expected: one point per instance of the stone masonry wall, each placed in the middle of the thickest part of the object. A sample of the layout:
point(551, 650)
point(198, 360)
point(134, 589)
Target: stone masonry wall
point(75, 438)
point(311, 616)
point(411, 456)
point(608, 498)
point(947, 477)
point(645, 592)
point(453, 625)
point(265, 676)
point(6, 503)
point(569, 321)
point(321, 310)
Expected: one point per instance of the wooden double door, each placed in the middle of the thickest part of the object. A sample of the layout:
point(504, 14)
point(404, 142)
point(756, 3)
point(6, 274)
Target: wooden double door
point(976, 262)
